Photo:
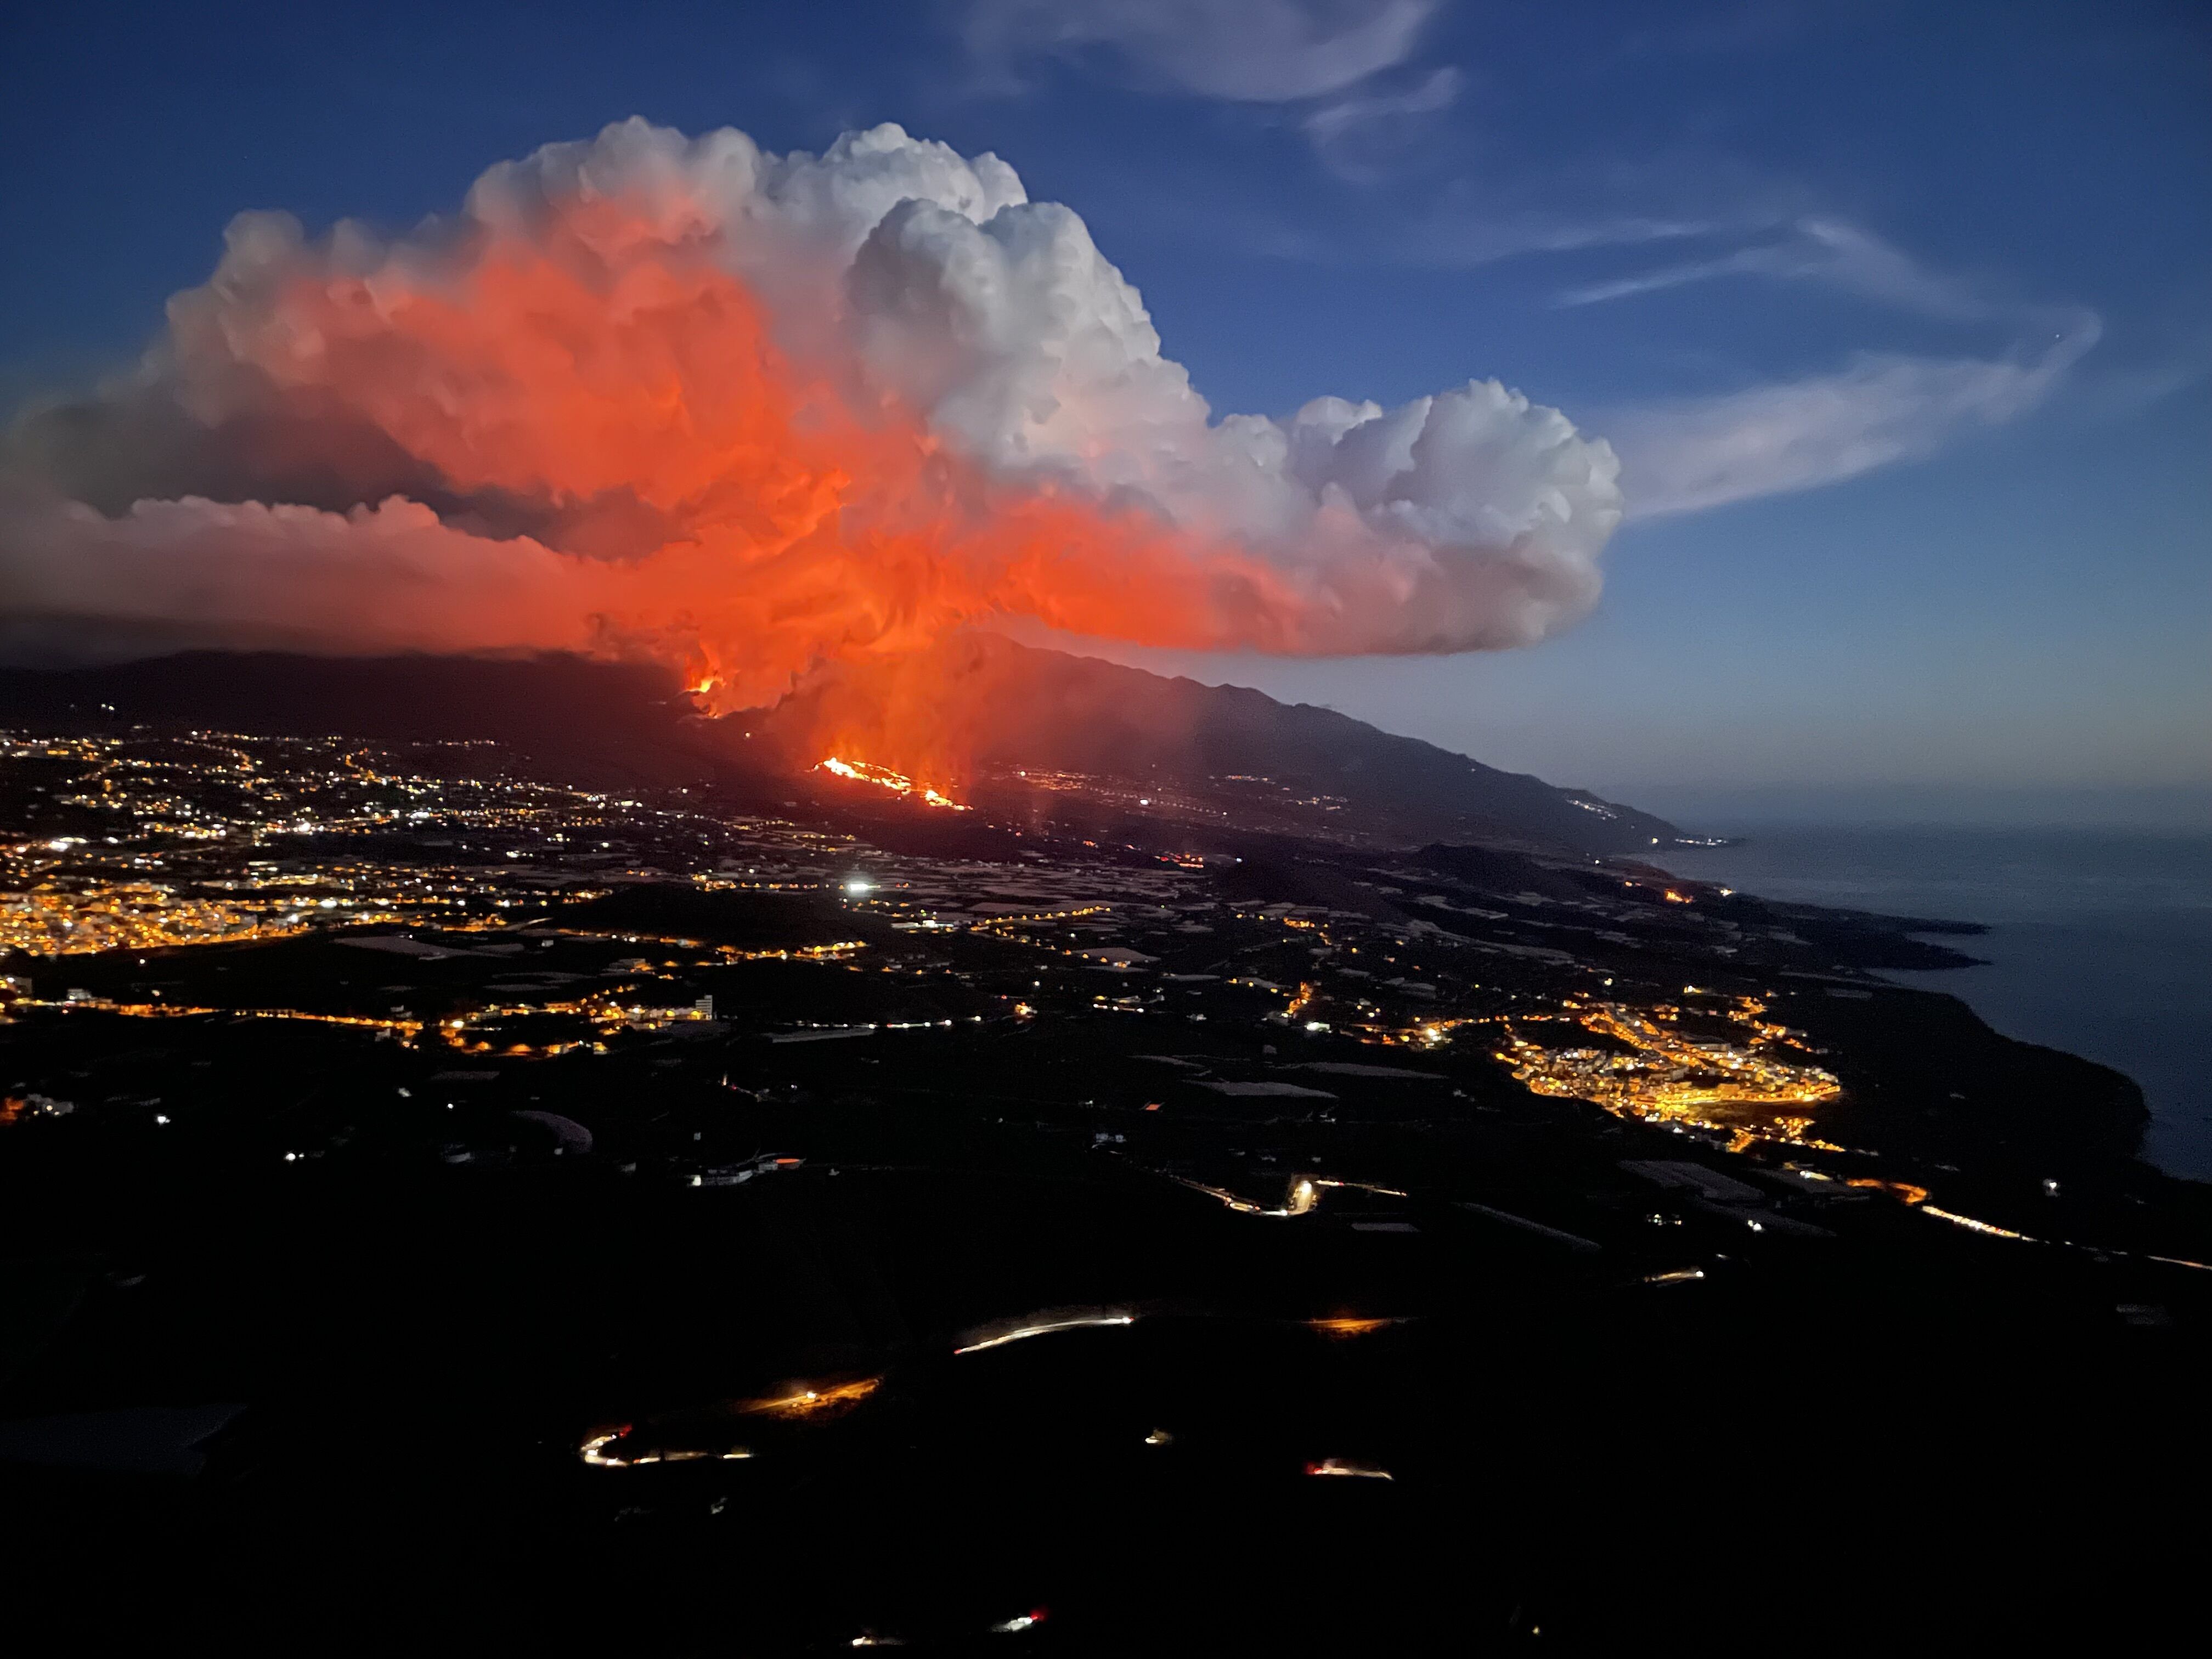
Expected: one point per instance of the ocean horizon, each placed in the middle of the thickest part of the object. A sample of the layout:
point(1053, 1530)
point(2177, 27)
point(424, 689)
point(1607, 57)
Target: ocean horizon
point(2099, 939)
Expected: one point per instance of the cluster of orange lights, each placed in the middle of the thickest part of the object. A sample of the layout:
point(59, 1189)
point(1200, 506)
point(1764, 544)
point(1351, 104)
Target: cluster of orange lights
point(1904, 1191)
point(827, 1401)
point(1350, 1325)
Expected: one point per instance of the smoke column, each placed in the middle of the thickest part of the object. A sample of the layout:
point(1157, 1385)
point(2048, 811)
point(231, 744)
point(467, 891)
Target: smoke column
point(757, 417)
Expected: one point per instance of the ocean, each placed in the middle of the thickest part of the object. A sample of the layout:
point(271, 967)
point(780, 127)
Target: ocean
point(2100, 940)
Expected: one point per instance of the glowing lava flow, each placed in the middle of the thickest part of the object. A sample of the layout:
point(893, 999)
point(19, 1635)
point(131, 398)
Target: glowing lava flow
point(883, 778)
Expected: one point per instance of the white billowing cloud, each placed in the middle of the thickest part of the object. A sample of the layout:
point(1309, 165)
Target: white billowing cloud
point(1017, 336)
point(1513, 500)
point(758, 204)
point(1268, 51)
point(1688, 454)
point(789, 224)
point(895, 271)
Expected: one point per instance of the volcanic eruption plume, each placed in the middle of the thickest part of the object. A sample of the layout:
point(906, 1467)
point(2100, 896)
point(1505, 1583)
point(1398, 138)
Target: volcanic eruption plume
point(763, 418)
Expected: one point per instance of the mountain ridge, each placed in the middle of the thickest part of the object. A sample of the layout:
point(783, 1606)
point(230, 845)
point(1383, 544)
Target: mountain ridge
point(1237, 754)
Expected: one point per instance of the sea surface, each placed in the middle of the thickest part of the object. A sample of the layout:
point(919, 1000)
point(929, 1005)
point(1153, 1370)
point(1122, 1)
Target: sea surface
point(2100, 940)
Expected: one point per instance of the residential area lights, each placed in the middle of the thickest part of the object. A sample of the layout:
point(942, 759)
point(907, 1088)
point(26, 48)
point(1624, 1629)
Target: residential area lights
point(144, 916)
point(1660, 1073)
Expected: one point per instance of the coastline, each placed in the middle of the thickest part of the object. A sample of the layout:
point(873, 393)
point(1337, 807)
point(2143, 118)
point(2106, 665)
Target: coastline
point(2097, 944)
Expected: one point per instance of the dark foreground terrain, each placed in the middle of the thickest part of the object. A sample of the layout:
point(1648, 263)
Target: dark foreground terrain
point(446, 1208)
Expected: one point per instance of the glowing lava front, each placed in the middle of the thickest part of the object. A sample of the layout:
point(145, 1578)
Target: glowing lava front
point(883, 778)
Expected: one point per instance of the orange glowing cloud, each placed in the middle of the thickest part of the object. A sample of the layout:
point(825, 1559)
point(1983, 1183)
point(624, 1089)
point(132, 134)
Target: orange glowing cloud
point(756, 415)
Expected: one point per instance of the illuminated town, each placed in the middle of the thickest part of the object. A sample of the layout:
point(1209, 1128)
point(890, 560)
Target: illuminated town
point(1658, 1071)
point(833, 1131)
point(534, 921)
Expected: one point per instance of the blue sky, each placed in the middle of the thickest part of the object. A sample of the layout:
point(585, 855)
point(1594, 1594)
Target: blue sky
point(1898, 314)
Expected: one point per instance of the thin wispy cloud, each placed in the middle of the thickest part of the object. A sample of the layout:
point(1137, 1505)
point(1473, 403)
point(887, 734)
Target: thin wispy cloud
point(1449, 237)
point(1353, 135)
point(1684, 455)
point(1456, 239)
point(1261, 51)
point(1829, 252)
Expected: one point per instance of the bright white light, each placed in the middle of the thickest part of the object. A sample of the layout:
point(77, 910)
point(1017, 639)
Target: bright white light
point(1047, 1329)
point(858, 884)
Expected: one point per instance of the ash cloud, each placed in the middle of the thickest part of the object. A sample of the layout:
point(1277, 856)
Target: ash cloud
point(760, 412)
